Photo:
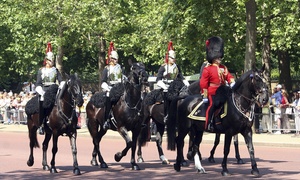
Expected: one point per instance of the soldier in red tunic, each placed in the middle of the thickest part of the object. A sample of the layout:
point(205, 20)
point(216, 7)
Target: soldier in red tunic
point(214, 75)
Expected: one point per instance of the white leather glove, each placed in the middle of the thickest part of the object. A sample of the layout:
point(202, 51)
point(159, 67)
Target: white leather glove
point(161, 84)
point(205, 100)
point(105, 86)
point(40, 90)
point(185, 82)
point(61, 84)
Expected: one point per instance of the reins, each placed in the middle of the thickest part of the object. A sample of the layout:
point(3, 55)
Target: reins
point(67, 120)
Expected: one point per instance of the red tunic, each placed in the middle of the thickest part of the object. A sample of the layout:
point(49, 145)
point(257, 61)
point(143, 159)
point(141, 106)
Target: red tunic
point(213, 76)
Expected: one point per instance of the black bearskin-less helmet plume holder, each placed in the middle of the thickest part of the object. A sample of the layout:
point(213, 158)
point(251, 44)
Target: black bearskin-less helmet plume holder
point(214, 48)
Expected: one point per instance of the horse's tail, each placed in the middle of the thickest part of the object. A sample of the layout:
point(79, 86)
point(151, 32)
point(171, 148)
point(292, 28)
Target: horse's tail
point(145, 129)
point(171, 125)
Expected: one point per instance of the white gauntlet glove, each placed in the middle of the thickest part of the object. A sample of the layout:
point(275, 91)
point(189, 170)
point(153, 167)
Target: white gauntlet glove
point(185, 82)
point(40, 91)
point(105, 86)
point(161, 84)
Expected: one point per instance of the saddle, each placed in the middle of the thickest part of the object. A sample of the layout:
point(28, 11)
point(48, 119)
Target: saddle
point(199, 113)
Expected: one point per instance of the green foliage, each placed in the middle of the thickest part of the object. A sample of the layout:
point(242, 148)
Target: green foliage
point(140, 30)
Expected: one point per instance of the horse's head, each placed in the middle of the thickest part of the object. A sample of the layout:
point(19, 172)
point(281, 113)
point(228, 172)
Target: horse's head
point(75, 89)
point(254, 83)
point(259, 86)
point(139, 74)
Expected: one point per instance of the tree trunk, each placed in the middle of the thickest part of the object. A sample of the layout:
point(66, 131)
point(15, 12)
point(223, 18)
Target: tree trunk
point(250, 34)
point(284, 70)
point(101, 59)
point(266, 59)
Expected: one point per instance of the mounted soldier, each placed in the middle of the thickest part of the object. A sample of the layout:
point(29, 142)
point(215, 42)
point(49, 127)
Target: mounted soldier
point(47, 76)
point(168, 72)
point(111, 75)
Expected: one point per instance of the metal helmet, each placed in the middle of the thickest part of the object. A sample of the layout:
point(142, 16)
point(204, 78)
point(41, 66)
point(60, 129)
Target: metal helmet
point(49, 54)
point(114, 55)
point(172, 54)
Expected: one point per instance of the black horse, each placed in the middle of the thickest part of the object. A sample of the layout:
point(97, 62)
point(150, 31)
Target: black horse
point(126, 111)
point(61, 120)
point(153, 108)
point(249, 89)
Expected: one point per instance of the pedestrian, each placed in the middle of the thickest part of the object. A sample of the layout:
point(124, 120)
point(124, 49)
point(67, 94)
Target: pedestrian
point(284, 117)
point(47, 76)
point(277, 97)
point(168, 72)
point(213, 76)
point(296, 107)
point(111, 75)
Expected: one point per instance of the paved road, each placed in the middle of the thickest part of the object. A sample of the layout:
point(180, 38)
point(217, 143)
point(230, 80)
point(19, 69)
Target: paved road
point(273, 162)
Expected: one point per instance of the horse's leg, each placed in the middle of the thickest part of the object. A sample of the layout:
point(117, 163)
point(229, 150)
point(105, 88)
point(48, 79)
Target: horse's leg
point(98, 139)
point(189, 155)
point(236, 147)
point(33, 142)
point(135, 134)
point(211, 158)
point(72, 138)
point(124, 133)
point(227, 143)
point(180, 145)
point(54, 151)
point(45, 148)
point(249, 142)
point(159, 136)
point(196, 151)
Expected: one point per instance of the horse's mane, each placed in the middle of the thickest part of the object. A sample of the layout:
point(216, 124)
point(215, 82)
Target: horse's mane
point(240, 80)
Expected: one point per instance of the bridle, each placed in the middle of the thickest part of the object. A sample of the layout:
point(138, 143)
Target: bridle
point(140, 76)
point(237, 98)
point(75, 92)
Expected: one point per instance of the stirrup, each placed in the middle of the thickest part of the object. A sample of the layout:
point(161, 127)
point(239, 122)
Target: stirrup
point(106, 125)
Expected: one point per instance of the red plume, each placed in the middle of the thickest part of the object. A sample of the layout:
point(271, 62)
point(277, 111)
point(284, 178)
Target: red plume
point(49, 48)
point(207, 43)
point(170, 47)
point(111, 48)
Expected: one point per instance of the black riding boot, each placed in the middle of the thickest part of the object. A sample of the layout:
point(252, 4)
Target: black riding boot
point(106, 124)
point(41, 118)
point(166, 107)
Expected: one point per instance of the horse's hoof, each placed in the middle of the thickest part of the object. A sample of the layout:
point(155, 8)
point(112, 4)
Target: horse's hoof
point(94, 163)
point(177, 167)
point(118, 156)
point(53, 170)
point(165, 161)
point(255, 173)
point(140, 160)
point(225, 173)
point(103, 165)
point(46, 168)
point(211, 160)
point(184, 163)
point(201, 171)
point(189, 156)
point(135, 167)
point(76, 171)
point(240, 161)
point(30, 163)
